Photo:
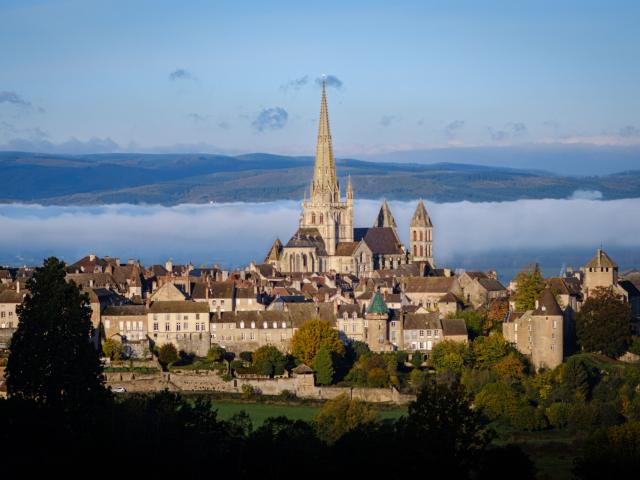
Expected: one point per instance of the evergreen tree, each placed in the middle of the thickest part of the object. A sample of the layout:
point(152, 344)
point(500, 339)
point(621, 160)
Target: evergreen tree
point(602, 325)
point(323, 365)
point(529, 287)
point(52, 360)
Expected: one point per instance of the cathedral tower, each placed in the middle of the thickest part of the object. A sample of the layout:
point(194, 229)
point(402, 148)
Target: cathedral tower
point(325, 210)
point(421, 236)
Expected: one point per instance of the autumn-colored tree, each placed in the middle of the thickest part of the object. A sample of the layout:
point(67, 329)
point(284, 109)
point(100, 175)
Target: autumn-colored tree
point(602, 325)
point(311, 336)
point(529, 287)
point(510, 367)
point(498, 400)
point(341, 415)
point(112, 349)
point(496, 314)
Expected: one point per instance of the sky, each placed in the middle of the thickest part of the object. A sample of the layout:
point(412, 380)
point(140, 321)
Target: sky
point(242, 76)
point(509, 242)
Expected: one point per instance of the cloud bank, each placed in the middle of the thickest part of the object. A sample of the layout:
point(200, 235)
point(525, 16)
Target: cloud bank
point(472, 235)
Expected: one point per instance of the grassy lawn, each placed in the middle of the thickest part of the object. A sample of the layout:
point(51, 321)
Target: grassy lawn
point(552, 451)
point(259, 412)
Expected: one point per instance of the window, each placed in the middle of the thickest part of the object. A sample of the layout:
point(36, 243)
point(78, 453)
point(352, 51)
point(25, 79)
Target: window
point(275, 324)
point(321, 219)
point(241, 324)
point(284, 324)
point(186, 317)
point(155, 327)
point(313, 218)
point(140, 325)
point(354, 327)
point(107, 323)
point(167, 326)
point(121, 325)
point(178, 327)
point(197, 316)
point(253, 325)
point(393, 323)
point(428, 333)
point(128, 325)
point(252, 336)
point(422, 333)
point(185, 326)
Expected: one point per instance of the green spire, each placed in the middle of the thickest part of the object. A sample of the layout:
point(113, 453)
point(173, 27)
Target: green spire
point(377, 305)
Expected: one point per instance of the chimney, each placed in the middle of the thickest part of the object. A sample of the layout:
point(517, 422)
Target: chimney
point(91, 282)
point(18, 286)
point(206, 292)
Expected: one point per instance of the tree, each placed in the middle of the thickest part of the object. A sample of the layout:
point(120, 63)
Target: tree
point(498, 400)
point(112, 349)
point(246, 357)
point(488, 350)
point(168, 354)
point(311, 336)
point(529, 287)
point(377, 378)
point(449, 355)
point(216, 353)
point(341, 415)
point(498, 310)
point(510, 368)
point(268, 360)
point(417, 359)
point(602, 325)
point(473, 319)
point(323, 365)
point(52, 360)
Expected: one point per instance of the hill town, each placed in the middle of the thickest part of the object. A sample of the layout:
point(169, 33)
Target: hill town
point(363, 283)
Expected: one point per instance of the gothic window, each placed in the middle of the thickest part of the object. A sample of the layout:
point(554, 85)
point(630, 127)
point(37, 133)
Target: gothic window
point(415, 235)
point(321, 219)
point(415, 250)
point(421, 235)
point(313, 219)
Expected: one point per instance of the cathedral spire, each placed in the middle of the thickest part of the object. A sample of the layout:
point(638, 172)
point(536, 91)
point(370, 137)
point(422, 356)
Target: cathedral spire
point(385, 217)
point(325, 187)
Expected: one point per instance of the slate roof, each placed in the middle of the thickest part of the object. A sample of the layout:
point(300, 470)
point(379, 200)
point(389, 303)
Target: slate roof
point(547, 304)
point(346, 249)
point(429, 284)
point(422, 321)
point(125, 310)
point(308, 238)
point(11, 296)
point(179, 307)
point(383, 241)
point(454, 327)
point(601, 260)
point(491, 285)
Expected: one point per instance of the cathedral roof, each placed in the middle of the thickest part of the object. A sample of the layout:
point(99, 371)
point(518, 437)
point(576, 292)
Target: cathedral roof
point(385, 217)
point(381, 240)
point(421, 217)
point(346, 249)
point(547, 304)
point(601, 260)
point(307, 238)
point(274, 252)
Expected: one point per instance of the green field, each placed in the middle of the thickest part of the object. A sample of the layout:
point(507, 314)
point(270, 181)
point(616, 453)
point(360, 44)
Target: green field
point(259, 412)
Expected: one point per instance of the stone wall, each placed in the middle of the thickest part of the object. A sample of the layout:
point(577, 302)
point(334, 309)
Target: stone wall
point(301, 385)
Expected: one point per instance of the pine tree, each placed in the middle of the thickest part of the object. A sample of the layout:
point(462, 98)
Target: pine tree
point(52, 361)
point(323, 365)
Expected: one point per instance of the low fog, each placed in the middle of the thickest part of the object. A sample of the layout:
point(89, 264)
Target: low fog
point(506, 235)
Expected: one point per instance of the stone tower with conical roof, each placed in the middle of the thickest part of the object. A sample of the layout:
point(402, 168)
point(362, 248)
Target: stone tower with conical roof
point(421, 236)
point(325, 210)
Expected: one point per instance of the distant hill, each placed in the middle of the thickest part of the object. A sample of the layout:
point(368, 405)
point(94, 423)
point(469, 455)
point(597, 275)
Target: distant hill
point(198, 178)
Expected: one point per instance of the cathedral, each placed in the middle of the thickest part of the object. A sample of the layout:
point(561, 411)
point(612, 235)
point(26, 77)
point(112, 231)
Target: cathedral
point(326, 239)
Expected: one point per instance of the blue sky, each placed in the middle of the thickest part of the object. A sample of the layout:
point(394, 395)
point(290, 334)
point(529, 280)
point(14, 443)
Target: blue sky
point(241, 76)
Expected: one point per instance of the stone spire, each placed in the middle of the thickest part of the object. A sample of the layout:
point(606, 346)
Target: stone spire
point(325, 187)
point(421, 217)
point(385, 217)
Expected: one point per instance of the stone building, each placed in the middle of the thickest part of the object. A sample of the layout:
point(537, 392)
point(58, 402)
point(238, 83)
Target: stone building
point(326, 239)
point(539, 333)
point(421, 236)
point(183, 323)
point(601, 272)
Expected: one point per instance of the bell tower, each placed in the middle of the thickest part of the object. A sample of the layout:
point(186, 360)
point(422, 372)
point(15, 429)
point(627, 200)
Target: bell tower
point(421, 236)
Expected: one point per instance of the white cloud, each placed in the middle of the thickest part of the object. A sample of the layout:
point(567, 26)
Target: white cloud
point(235, 233)
point(586, 195)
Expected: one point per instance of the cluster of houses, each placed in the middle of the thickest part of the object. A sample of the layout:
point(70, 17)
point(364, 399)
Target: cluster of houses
point(407, 308)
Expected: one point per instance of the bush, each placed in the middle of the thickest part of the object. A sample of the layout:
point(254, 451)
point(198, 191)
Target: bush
point(528, 418)
point(237, 365)
point(112, 349)
point(167, 354)
point(417, 359)
point(246, 357)
point(216, 353)
point(402, 357)
point(250, 393)
point(287, 395)
point(268, 360)
point(558, 414)
point(377, 378)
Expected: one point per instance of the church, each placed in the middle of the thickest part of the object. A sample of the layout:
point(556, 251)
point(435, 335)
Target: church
point(326, 239)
